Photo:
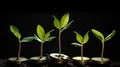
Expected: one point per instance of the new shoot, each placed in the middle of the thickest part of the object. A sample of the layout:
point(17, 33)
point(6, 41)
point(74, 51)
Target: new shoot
point(103, 39)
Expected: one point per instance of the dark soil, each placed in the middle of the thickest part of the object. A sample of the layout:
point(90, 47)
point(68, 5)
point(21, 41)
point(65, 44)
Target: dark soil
point(4, 63)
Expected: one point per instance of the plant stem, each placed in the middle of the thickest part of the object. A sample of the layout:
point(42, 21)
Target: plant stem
point(19, 50)
point(82, 53)
point(102, 52)
point(59, 41)
point(41, 50)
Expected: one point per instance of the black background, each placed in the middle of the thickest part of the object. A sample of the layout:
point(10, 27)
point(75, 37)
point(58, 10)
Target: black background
point(103, 16)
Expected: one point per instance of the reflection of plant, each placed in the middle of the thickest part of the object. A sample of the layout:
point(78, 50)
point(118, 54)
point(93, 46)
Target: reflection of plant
point(42, 37)
point(15, 31)
point(62, 25)
point(82, 41)
point(103, 39)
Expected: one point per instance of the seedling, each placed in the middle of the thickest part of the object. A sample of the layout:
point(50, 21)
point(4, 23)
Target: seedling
point(62, 25)
point(103, 39)
point(81, 41)
point(43, 37)
point(16, 32)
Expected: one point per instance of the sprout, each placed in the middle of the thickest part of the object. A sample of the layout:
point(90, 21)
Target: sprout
point(103, 39)
point(16, 32)
point(43, 37)
point(81, 41)
point(62, 25)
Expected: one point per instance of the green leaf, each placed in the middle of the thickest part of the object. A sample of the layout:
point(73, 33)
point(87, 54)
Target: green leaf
point(56, 22)
point(40, 31)
point(110, 35)
point(64, 20)
point(15, 31)
point(98, 34)
point(67, 26)
point(37, 38)
point(76, 44)
point(50, 38)
point(27, 39)
point(47, 34)
point(85, 38)
point(79, 38)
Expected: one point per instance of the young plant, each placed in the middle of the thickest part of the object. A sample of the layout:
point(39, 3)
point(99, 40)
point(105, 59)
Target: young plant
point(81, 41)
point(16, 32)
point(43, 37)
point(62, 25)
point(103, 39)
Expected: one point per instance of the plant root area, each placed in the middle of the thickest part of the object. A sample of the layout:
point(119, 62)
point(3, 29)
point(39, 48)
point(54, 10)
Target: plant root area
point(3, 63)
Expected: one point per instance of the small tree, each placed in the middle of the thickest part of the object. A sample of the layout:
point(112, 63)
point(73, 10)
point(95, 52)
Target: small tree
point(16, 32)
point(43, 37)
point(103, 39)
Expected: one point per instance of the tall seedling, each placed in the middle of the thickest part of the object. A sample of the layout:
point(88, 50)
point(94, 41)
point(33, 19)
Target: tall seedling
point(43, 37)
point(103, 39)
point(62, 25)
point(16, 32)
point(81, 41)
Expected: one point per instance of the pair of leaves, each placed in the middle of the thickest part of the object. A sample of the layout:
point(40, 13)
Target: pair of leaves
point(63, 23)
point(80, 39)
point(100, 36)
point(42, 36)
point(15, 31)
